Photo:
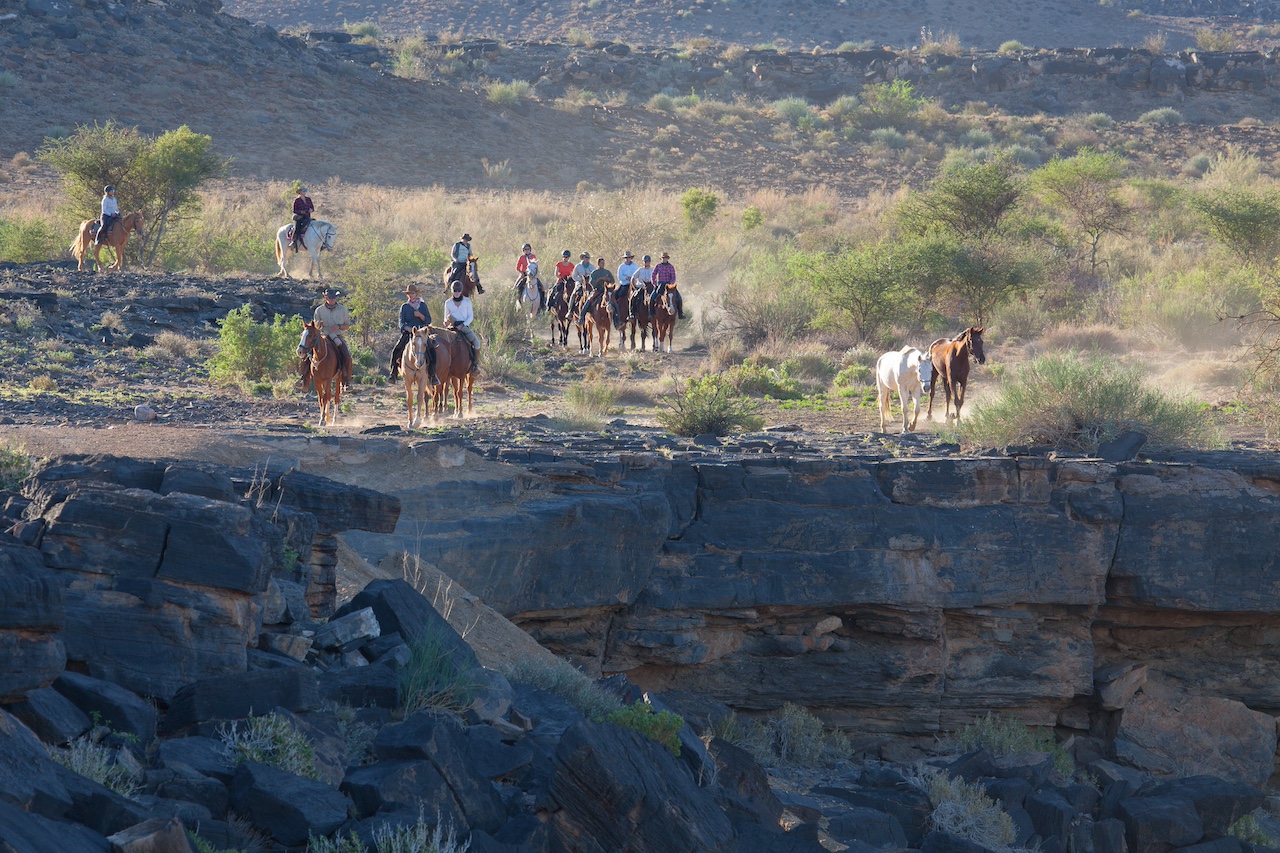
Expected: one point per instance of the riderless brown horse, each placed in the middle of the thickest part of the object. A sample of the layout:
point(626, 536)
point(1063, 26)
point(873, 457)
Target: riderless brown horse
point(664, 320)
point(326, 371)
point(453, 369)
point(115, 240)
point(558, 308)
point(598, 323)
point(414, 366)
point(951, 367)
point(642, 318)
point(470, 279)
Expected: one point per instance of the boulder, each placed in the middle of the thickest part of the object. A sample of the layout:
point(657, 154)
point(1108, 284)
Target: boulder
point(287, 807)
point(235, 697)
point(1218, 802)
point(348, 631)
point(1154, 824)
point(1116, 685)
point(158, 835)
point(1051, 814)
point(29, 778)
point(53, 717)
point(407, 786)
point(215, 485)
point(909, 806)
point(1103, 836)
point(943, 842)
point(22, 831)
point(868, 826)
point(113, 706)
point(206, 756)
point(98, 807)
point(194, 789)
point(375, 686)
point(616, 788)
point(31, 617)
point(1174, 733)
point(745, 781)
point(401, 609)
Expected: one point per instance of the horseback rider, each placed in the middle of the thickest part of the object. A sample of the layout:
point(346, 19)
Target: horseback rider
point(458, 316)
point(664, 274)
point(302, 210)
point(627, 270)
point(460, 255)
point(581, 276)
point(334, 319)
point(564, 274)
point(414, 314)
point(600, 276)
point(110, 213)
point(641, 283)
point(527, 265)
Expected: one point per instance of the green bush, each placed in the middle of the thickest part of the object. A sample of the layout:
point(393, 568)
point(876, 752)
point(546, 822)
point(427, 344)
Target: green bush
point(1012, 46)
point(709, 405)
point(792, 110)
point(1098, 121)
point(347, 844)
point(419, 838)
point(661, 726)
point(15, 465)
point(855, 376)
point(1003, 736)
point(253, 352)
point(566, 682)
point(892, 104)
point(270, 740)
point(1207, 38)
point(26, 241)
point(752, 217)
point(1076, 403)
point(1248, 829)
point(433, 679)
point(362, 29)
point(94, 761)
point(964, 810)
point(507, 94)
point(889, 138)
point(763, 301)
point(752, 377)
point(1164, 116)
point(699, 207)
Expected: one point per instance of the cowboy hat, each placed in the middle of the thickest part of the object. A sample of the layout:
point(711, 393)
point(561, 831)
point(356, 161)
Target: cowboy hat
point(412, 289)
point(332, 293)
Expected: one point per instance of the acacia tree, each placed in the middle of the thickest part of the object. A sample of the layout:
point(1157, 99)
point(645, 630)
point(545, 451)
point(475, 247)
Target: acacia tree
point(970, 201)
point(864, 284)
point(1086, 188)
point(1245, 221)
point(159, 176)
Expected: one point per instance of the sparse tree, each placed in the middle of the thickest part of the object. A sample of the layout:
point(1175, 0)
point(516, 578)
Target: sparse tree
point(1086, 188)
point(1245, 221)
point(971, 201)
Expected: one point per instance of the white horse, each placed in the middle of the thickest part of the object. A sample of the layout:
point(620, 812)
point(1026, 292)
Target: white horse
point(318, 237)
point(527, 298)
point(906, 371)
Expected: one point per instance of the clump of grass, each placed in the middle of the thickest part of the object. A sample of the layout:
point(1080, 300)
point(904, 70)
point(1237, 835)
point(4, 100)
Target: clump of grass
point(15, 466)
point(270, 740)
point(1097, 121)
point(889, 137)
point(507, 94)
point(1248, 829)
point(661, 726)
point(1208, 38)
point(363, 29)
point(176, 347)
point(588, 403)
point(964, 810)
point(419, 838)
point(748, 734)
point(1164, 116)
point(45, 384)
point(752, 377)
point(1012, 46)
point(86, 756)
point(943, 43)
point(709, 405)
point(1076, 403)
point(1003, 736)
point(1155, 42)
point(504, 366)
point(854, 376)
point(800, 740)
point(433, 679)
point(792, 110)
point(566, 682)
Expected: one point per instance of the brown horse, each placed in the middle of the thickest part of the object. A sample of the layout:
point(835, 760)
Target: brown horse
point(951, 367)
point(620, 297)
point(642, 318)
point(470, 279)
point(115, 240)
point(453, 368)
point(558, 308)
point(326, 372)
point(664, 320)
point(598, 324)
point(417, 378)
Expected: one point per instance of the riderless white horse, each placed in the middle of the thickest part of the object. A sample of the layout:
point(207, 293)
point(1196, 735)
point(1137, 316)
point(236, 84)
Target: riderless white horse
point(906, 371)
point(318, 237)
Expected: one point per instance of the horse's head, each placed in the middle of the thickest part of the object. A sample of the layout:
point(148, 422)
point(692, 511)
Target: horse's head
point(135, 221)
point(418, 347)
point(329, 232)
point(975, 344)
point(925, 363)
point(308, 339)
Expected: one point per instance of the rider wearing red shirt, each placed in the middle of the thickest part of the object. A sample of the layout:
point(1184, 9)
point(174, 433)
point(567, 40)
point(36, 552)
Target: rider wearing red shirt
point(523, 263)
point(564, 272)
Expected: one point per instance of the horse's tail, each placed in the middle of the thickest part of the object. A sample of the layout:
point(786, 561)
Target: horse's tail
point(279, 250)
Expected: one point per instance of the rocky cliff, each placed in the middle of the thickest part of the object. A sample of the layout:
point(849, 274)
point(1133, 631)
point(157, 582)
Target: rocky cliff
point(890, 595)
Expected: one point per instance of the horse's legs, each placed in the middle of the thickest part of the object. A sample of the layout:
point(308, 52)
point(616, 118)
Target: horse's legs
point(883, 401)
point(959, 392)
point(933, 386)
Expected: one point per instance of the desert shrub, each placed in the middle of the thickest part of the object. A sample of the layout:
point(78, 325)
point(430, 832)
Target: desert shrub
point(662, 103)
point(791, 110)
point(1012, 46)
point(855, 376)
point(92, 760)
point(699, 207)
point(709, 405)
point(362, 29)
point(944, 43)
point(1002, 736)
point(174, 347)
point(800, 740)
point(1163, 116)
point(501, 325)
point(1077, 403)
point(964, 810)
point(765, 302)
point(1098, 121)
point(347, 844)
point(270, 740)
point(889, 137)
point(1208, 38)
point(1249, 830)
point(748, 734)
point(566, 682)
point(25, 241)
point(250, 351)
point(588, 403)
point(506, 365)
point(661, 726)
point(1197, 165)
point(507, 94)
point(752, 217)
point(434, 679)
point(892, 104)
point(753, 377)
point(418, 838)
point(15, 466)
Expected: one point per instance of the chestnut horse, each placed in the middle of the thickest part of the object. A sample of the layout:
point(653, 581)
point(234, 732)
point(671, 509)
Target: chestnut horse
point(558, 308)
point(599, 325)
point(470, 279)
point(641, 317)
point(116, 238)
point(664, 320)
point(951, 367)
point(417, 378)
point(325, 371)
point(453, 368)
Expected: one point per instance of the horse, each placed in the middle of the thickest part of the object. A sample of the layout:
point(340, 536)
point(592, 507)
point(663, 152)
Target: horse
point(951, 367)
point(115, 239)
point(905, 371)
point(575, 311)
point(558, 308)
point(598, 322)
point(619, 296)
point(470, 279)
point(326, 372)
point(528, 300)
point(318, 237)
point(414, 367)
point(640, 316)
point(453, 369)
point(664, 320)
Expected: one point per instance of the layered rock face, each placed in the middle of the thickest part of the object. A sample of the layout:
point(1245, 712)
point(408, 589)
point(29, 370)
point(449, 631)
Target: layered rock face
point(893, 595)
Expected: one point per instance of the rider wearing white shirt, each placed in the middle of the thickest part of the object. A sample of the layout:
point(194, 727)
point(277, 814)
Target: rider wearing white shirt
point(458, 316)
point(110, 213)
point(582, 276)
point(627, 269)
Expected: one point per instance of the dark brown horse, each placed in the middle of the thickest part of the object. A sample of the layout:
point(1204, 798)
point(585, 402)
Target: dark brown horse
point(641, 318)
point(453, 368)
point(470, 279)
point(620, 297)
point(326, 371)
point(664, 320)
point(558, 308)
point(115, 240)
point(951, 367)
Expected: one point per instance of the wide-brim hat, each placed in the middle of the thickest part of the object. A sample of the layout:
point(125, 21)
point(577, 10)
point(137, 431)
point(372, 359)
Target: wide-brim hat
point(412, 290)
point(466, 237)
point(627, 255)
point(586, 255)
